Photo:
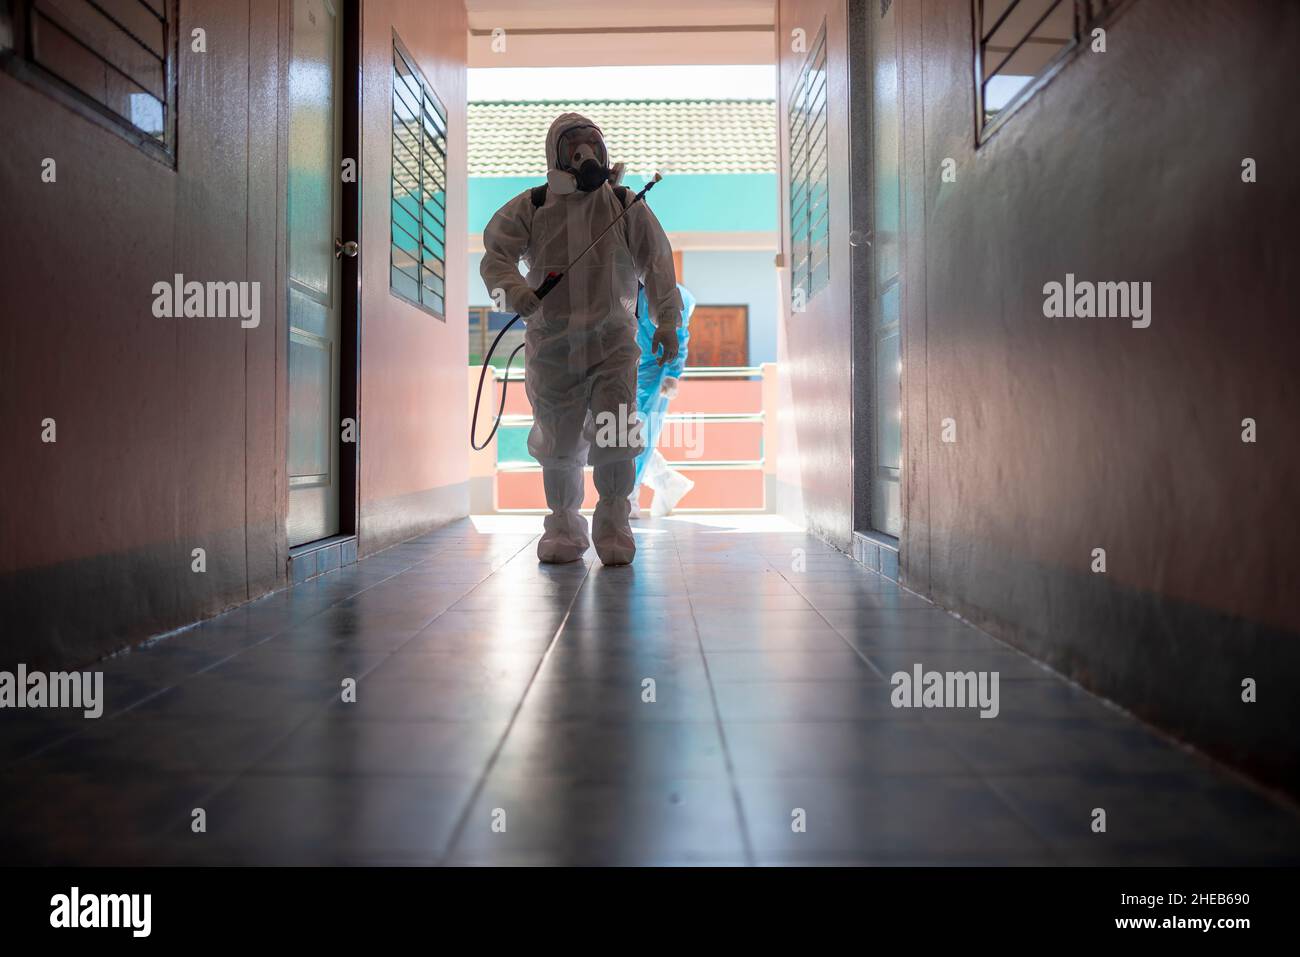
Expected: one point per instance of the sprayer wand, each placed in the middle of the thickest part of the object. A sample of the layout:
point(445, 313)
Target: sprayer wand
point(549, 283)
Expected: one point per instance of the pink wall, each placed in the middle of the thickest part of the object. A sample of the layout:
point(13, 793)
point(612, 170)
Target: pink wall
point(414, 446)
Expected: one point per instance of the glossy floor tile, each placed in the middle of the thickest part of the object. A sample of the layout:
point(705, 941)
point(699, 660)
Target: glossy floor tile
point(451, 701)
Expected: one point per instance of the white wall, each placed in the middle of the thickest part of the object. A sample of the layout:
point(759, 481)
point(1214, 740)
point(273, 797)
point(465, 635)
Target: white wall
point(733, 279)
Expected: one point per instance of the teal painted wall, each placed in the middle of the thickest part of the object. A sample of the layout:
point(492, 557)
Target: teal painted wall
point(706, 202)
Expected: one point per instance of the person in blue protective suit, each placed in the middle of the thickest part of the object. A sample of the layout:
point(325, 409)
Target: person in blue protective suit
point(656, 386)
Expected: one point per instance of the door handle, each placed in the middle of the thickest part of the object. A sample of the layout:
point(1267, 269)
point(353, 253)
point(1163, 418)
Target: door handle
point(349, 249)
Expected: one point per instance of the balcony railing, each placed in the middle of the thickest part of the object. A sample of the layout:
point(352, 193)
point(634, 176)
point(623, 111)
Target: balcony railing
point(726, 414)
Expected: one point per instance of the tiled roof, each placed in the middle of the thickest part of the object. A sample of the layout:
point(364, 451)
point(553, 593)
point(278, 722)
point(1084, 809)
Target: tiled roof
point(675, 136)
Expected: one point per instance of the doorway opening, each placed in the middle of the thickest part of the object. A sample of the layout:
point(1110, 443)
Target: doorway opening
point(711, 131)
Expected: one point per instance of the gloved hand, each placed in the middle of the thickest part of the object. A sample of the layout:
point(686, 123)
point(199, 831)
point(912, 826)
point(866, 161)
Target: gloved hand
point(665, 336)
point(526, 302)
point(668, 388)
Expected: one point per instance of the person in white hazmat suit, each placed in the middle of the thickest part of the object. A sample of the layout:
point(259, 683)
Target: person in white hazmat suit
point(580, 349)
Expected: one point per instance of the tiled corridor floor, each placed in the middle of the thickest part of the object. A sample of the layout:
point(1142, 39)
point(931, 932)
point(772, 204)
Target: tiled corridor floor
point(492, 691)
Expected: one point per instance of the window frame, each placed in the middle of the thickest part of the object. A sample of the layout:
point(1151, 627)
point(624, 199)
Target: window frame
point(1088, 15)
point(17, 52)
point(803, 274)
point(428, 96)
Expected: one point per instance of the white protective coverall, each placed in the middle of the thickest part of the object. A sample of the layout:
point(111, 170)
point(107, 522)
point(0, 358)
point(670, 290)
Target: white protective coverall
point(580, 348)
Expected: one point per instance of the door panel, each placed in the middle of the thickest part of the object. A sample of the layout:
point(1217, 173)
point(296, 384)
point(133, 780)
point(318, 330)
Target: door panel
point(886, 508)
point(314, 302)
point(719, 336)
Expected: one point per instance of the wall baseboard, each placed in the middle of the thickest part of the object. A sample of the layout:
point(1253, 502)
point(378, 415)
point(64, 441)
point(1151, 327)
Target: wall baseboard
point(878, 552)
point(316, 558)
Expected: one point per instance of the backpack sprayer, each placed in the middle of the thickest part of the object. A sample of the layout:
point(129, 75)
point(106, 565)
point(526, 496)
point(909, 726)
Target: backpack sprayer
point(549, 283)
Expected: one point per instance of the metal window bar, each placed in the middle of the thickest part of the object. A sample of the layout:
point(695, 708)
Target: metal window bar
point(408, 179)
point(807, 123)
point(818, 206)
point(34, 11)
point(418, 181)
point(125, 29)
point(433, 158)
point(93, 52)
point(1024, 39)
point(1085, 14)
point(403, 93)
point(419, 243)
point(433, 206)
point(440, 232)
point(985, 37)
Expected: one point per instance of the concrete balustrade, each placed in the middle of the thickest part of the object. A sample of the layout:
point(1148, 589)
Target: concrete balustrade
point(720, 432)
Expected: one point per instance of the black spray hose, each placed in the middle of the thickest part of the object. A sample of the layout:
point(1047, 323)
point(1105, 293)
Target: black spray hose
point(478, 396)
point(549, 283)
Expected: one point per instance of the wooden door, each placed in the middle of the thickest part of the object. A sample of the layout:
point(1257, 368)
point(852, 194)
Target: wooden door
point(719, 336)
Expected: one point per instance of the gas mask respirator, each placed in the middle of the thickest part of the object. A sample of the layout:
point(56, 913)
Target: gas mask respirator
point(583, 163)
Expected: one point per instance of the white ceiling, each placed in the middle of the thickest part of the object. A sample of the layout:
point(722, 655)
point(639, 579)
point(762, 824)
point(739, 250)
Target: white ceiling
point(486, 14)
point(621, 32)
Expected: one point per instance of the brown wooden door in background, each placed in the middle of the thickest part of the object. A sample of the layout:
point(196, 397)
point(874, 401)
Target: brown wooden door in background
point(719, 336)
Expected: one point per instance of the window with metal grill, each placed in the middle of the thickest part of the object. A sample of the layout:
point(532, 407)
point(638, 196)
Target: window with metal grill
point(809, 206)
point(1020, 44)
point(419, 201)
point(113, 60)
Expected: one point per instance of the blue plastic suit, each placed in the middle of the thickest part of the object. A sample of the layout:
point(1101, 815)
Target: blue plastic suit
point(650, 374)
